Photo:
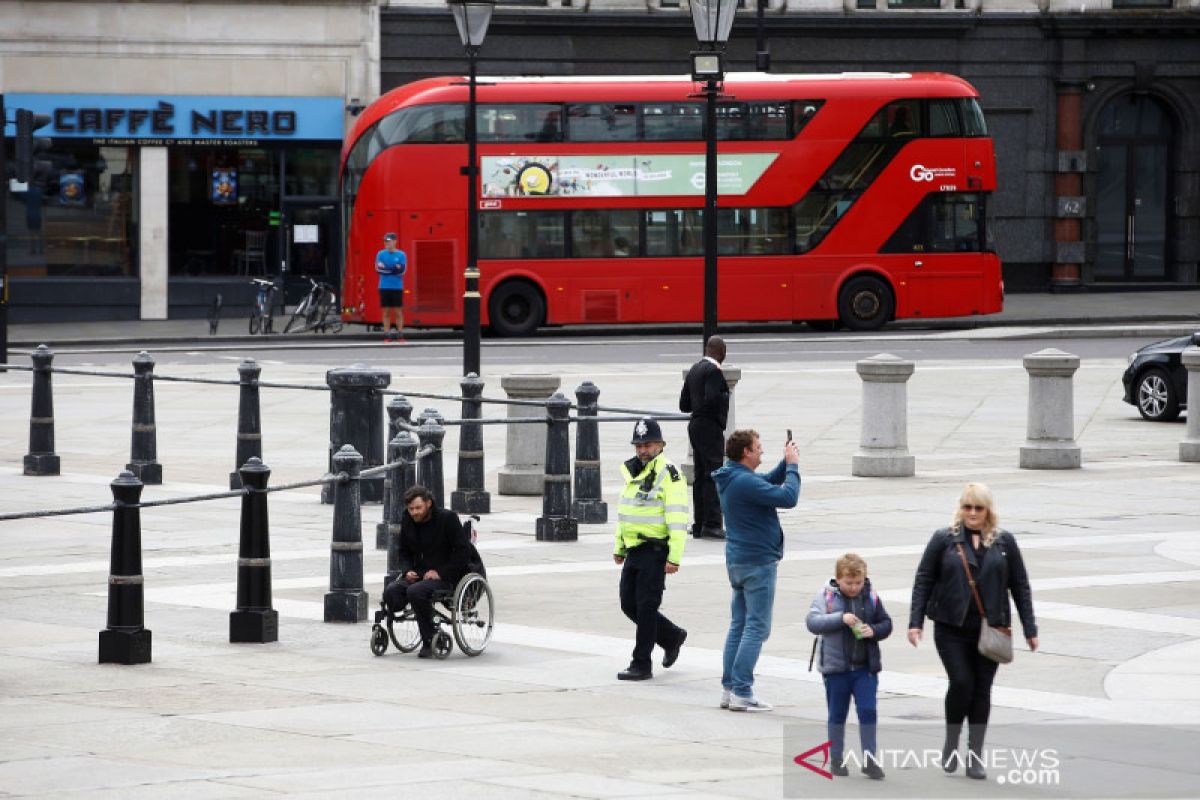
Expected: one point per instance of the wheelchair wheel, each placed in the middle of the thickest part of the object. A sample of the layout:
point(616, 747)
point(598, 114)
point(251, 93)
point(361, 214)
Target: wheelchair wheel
point(404, 632)
point(473, 614)
point(442, 645)
point(379, 640)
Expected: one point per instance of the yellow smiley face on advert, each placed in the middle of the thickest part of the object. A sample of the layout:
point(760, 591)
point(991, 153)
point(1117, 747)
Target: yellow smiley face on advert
point(534, 179)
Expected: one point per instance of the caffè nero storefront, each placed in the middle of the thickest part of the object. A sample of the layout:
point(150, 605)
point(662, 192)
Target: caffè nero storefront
point(148, 205)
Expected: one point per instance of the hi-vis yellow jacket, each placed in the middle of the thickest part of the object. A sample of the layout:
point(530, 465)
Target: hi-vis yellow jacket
point(654, 507)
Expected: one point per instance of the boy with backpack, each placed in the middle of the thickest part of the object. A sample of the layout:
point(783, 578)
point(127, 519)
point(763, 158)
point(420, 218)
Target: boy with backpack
point(850, 620)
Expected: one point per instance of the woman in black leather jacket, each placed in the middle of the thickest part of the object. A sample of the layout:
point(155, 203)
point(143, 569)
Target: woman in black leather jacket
point(942, 593)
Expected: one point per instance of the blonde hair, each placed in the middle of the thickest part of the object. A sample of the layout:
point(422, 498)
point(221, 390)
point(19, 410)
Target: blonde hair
point(850, 564)
point(980, 495)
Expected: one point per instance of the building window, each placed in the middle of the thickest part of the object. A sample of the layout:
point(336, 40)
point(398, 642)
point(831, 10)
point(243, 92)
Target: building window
point(76, 214)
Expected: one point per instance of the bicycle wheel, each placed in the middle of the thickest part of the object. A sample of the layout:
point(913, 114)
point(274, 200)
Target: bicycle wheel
point(299, 318)
point(322, 318)
point(255, 322)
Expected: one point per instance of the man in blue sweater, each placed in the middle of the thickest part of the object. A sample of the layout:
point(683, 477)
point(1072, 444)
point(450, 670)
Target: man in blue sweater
point(753, 548)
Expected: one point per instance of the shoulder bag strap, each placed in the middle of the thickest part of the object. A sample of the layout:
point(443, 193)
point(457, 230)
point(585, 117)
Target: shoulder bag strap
point(971, 581)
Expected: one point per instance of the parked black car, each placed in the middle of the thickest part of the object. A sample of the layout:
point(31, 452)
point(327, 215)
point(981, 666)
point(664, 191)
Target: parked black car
point(1156, 380)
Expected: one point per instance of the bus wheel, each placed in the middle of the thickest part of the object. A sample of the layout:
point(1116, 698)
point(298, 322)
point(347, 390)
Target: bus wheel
point(865, 303)
point(516, 308)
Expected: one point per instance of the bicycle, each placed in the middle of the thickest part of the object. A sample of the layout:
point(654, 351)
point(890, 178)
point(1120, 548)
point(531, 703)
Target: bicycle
point(317, 311)
point(261, 320)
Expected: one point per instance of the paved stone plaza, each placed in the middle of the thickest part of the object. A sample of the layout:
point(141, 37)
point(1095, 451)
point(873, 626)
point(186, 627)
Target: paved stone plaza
point(1113, 549)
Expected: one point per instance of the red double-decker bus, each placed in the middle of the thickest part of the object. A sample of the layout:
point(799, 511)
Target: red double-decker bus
point(853, 198)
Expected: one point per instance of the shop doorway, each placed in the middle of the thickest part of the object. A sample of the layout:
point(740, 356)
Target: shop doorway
point(1134, 148)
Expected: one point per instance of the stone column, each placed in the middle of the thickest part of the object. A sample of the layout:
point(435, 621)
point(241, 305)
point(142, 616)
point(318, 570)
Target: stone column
point(153, 205)
point(1189, 448)
point(732, 376)
point(1050, 427)
point(524, 467)
point(883, 446)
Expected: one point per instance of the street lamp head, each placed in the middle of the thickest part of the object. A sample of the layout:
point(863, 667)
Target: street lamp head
point(707, 66)
point(472, 18)
point(713, 20)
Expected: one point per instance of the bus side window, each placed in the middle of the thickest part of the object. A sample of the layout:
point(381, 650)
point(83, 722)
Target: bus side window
point(904, 119)
point(943, 118)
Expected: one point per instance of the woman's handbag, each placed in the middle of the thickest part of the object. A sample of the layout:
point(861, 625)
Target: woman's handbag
point(994, 642)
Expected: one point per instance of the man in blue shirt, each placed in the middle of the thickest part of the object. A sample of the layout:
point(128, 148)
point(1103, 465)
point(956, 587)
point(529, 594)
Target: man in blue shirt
point(391, 263)
point(753, 549)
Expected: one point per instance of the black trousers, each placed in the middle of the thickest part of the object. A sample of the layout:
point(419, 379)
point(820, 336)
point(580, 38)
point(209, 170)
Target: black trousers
point(969, 695)
point(708, 448)
point(420, 596)
point(643, 579)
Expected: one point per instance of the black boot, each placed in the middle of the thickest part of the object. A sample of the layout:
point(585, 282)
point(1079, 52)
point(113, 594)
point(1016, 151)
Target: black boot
point(871, 767)
point(950, 757)
point(837, 765)
point(975, 735)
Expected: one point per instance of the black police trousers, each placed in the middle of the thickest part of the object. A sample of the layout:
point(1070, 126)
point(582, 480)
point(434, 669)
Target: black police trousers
point(643, 579)
point(708, 450)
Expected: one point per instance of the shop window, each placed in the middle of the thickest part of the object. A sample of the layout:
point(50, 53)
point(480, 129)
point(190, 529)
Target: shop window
point(76, 215)
point(217, 196)
point(311, 172)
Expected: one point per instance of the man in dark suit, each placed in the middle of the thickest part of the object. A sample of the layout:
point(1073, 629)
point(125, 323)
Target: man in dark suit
point(434, 555)
point(705, 396)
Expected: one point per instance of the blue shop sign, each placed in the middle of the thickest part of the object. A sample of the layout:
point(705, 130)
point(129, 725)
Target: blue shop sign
point(167, 117)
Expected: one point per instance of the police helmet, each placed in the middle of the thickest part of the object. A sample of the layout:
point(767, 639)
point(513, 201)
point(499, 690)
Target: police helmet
point(646, 430)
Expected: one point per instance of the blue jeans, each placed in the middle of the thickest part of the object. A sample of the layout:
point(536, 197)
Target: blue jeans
point(753, 597)
point(839, 687)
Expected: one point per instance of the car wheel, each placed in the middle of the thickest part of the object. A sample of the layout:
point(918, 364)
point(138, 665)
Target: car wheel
point(1156, 397)
point(865, 303)
point(516, 308)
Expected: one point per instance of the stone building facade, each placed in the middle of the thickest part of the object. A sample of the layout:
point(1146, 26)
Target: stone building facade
point(1094, 104)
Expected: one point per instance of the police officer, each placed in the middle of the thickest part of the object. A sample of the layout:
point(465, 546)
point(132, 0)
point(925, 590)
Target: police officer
point(651, 531)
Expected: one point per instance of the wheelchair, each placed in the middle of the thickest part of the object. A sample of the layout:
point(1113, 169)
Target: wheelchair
point(467, 610)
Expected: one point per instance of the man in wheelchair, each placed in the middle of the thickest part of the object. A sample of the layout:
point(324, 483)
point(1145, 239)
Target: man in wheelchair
point(435, 552)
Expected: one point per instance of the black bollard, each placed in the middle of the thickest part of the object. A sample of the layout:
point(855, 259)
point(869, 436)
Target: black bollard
point(125, 640)
point(356, 418)
point(395, 410)
point(41, 459)
point(589, 506)
point(143, 452)
point(404, 408)
point(470, 496)
point(402, 448)
point(346, 600)
point(429, 468)
point(249, 432)
point(254, 620)
point(556, 524)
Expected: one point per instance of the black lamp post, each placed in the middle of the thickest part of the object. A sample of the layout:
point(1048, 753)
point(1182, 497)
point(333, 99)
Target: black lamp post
point(472, 18)
point(712, 20)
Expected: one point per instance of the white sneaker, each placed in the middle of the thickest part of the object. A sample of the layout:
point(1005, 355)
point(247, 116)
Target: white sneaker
point(725, 695)
point(738, 703)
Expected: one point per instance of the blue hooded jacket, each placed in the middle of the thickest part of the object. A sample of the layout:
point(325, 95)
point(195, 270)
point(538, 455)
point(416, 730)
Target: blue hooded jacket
point(753, 535)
